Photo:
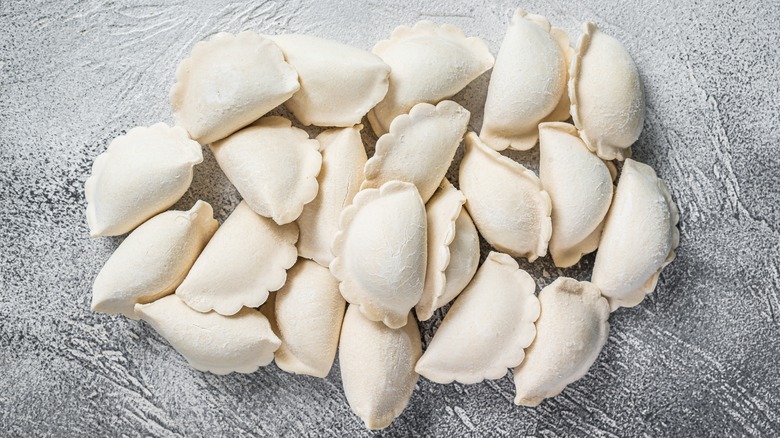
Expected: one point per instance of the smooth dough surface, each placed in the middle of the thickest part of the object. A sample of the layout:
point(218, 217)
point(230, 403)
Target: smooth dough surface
point(381, 252)
point(377, 367)
point(486, 330)
point(453, 250)
point(248, 256)
point(308, 312)
point(339, 83)
point(506, 201)
point(153, 260)
point(343, 159)
point(140, 174)
point(570, 333)
point(419, 147)
point(429, 63)
point(580, 187)
point(607, 102)
point(212, 342)
point(228, 82)
point(528, 83)
point(273, 165)
point(639, 238)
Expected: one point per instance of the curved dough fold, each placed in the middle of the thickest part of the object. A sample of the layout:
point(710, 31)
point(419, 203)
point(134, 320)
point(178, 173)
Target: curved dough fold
point(570, 333)
point(380, 252)
point(486, 330)
point(228, 82)
point(528, 84)
point(140, 174)
point(212, 342)
point(429, 63)
point(153, 260)
point(639, 238)
point(248, 256)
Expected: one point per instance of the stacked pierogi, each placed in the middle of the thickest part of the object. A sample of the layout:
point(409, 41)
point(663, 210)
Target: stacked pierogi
point(334, 252)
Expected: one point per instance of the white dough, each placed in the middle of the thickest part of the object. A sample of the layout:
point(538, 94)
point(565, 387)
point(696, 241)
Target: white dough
point(486, 330)
point(380, 252)
point(153, 260)
point(639, 238)
point(528, 84)
point(580, 186)
point(339, 83)
point(506, 201)
point(570, 333)
point(308, 313)
point(212, 342)
point(343, 158)
point(247, 257)
point(273, 165)
point(228, 82)
point(419, 147)
point(453, 250)
point(607, 103)
point(429, 63)
point(377, 367)
point(140, 174)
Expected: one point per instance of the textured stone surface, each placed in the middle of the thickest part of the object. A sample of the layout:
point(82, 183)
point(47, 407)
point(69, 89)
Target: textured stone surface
point(698, 357)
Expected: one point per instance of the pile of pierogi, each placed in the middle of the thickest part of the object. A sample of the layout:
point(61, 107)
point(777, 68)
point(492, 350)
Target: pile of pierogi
point(331, 251)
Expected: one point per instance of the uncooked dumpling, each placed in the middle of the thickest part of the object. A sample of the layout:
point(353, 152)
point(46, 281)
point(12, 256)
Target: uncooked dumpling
point(140, 174)
point(607, 103)
point(639, 238)
point(308, 312)
point(453, 250)
point(486, 330)
point(273, 165)
point(429, 63)
point(228, 82)
point(247, 257)
point(339, 83)
point(506, 201)
point(380, 252)
point(580, 186)
point(153, 260)
point(528, 84)
point(377, 367)
point(419, 147)
point(570, 333)
point(212, 342)
point(343, 158)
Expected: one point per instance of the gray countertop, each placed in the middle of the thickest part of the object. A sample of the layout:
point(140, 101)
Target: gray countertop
point(699, 357)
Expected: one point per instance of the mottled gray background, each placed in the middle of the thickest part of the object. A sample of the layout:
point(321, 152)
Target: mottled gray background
point(699, 357)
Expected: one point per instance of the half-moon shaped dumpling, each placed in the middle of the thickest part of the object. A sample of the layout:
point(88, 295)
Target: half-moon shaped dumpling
point(212, 342)
point(580, 187)
point(228, 82)
point(140, 174)
point(639, 238)
point(419, 147)
point(528, 84)
point(273, 166)
point(570, 333)
point(486, 330)
point(339, 83)
point(308, 312)
point(377, 367)
point(380, 252)
point(453, 250)
point(247, 257)
point(152, 260)
point(607, 104)
point(429, 63)
point(343, 158)
point(507, 202)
